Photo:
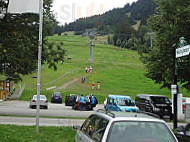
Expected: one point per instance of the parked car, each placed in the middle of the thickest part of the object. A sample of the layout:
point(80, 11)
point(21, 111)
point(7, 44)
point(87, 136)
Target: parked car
point(183, 133)
point(120, 103)
point(86, 104)
point(157, 104)
point(106, 126)
point(43, 102)
point(56, 97)
point(70, 100)
point(183, 104)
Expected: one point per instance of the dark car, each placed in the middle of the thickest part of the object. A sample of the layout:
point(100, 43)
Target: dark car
point(157, 104)
point(70, 100)
point(56, 97)
point(183, 133)
point(86, 104)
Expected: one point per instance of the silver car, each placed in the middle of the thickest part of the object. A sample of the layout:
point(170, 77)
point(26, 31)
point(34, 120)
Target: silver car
point(104, 126)
point(43, 102)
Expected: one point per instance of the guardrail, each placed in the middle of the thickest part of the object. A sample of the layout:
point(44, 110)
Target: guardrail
point(46, 84)
point(70, 72)
point(21, 89)
point(12, 90)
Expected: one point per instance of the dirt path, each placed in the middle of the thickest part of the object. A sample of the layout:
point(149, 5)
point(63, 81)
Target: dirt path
point(68, 83)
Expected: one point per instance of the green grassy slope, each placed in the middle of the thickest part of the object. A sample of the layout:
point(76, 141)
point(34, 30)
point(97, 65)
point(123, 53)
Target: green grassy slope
point(119, 70)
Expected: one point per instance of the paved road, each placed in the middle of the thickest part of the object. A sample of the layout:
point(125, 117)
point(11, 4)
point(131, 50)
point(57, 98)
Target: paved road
point(28, 121)
point(14, 109)
point(21, 108)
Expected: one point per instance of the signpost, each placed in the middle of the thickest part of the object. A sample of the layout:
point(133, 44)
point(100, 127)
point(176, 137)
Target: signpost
point(182, 51)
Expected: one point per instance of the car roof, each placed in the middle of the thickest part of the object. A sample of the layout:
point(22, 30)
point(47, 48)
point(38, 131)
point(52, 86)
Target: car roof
point(119, 96)
point(151, 95)
point(130, 116)
point(40, 95)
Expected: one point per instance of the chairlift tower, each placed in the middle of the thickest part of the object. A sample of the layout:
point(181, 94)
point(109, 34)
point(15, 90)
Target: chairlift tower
point(91, 35)
point(91, 51)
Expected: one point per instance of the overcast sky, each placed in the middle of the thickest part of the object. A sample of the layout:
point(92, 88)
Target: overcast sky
point(70, 10)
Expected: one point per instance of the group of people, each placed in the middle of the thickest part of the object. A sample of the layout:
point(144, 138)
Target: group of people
point(92, 102)
point(93, 85)
point(88, 69)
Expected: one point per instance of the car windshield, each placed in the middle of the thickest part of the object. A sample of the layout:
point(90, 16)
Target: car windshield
point(131, 131)
point(160, 100)
point(57, 94)
point(86, 99)
point(42, 97)
point(125, 102)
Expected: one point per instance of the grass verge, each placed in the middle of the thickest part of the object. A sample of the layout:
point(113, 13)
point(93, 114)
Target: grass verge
point(13, 133)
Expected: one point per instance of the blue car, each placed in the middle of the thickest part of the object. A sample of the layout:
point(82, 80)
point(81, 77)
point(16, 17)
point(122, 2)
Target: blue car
point(121, 103)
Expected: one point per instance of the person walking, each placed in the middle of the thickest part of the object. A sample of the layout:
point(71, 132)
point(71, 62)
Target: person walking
point(83, 79)
point(92, 101)
point(98, 85)
point(93, 85)
point(90, 69)
point(81, 102)
point(86, 69)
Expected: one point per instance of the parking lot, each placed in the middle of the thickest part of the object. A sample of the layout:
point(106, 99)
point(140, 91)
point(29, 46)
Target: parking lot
point(21, 108)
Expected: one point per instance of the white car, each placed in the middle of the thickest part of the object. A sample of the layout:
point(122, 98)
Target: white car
point(43, 102)
point(105, 126)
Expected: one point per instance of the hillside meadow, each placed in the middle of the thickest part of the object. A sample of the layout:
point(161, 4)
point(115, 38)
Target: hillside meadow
point(119, 70)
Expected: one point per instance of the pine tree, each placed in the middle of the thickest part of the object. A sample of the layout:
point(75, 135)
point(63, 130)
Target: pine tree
point(169, 24)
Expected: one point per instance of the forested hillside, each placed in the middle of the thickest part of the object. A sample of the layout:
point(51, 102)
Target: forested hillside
point(126, 25)
point(107, 22)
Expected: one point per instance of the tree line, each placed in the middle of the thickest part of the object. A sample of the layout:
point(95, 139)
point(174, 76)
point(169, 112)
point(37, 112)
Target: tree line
point(107, 22)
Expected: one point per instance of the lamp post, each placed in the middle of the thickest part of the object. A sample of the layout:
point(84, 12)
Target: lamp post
point(39, 64)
